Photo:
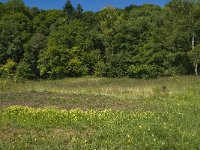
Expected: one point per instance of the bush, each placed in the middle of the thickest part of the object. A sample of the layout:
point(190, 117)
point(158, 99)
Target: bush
point(76, 68)
point(24, 70)
point(7, 70)
point(144, 71)
point(116, 65)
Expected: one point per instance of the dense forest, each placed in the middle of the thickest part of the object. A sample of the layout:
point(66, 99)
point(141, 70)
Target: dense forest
point(144, 41)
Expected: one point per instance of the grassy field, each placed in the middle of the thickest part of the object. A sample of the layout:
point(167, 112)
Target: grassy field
point(101, 113)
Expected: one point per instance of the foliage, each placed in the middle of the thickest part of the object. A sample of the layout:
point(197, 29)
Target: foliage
point(144, 41)
point(43, 21)
point(69, 9)
point(144, 71)
point(53, 62)
point(27, 67)
point(14, 32)
point(79, 10)
point(7, 70)
point(194, 54)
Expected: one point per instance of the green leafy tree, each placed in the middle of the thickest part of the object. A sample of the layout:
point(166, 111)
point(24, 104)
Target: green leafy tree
point(34, 11)
point(79, 9)
point(61, 63)
point(2, 9)
point(17, 6)
point(27, 67)
point(53, 62)
point(69, 9)
point(15, 30)
point(64, 51)
point(188, 11)
point(90, 60)
point(111, 21)
point(43, 21)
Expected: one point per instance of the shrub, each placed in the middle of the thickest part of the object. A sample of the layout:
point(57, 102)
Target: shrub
point(7, 70)
point(144, 71)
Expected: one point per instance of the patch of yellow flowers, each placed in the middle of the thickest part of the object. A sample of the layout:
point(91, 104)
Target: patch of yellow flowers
point(55, 116)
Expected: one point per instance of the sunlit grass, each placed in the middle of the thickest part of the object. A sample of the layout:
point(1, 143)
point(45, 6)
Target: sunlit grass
point(100, 113)
point(105, 85)
point(111, 129)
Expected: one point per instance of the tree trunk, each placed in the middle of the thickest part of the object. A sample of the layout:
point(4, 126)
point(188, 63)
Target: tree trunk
point(196, 69)
point(193, 39)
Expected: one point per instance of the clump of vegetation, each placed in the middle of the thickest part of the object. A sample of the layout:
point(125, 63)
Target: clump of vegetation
point(7, 70)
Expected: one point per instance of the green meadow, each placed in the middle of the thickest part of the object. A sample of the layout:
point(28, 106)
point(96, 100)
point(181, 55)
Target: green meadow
point(100, 113)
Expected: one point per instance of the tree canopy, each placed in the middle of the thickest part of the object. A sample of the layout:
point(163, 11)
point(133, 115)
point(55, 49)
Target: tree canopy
point(144, 41)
